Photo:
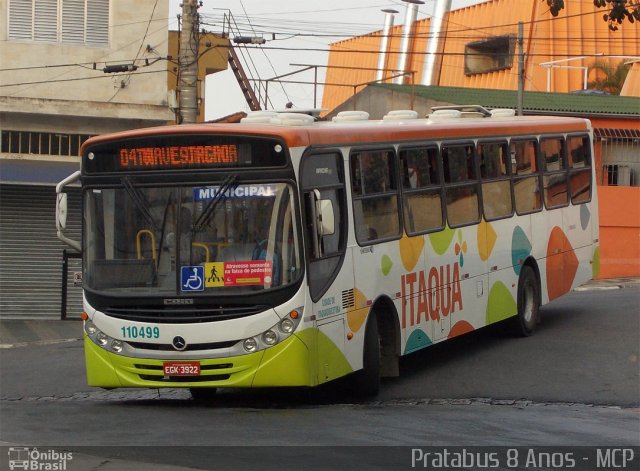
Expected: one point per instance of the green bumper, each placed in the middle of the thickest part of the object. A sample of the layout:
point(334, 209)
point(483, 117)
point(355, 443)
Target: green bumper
point(286, 364)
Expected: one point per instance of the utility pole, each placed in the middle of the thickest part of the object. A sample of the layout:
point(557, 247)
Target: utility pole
point(188, 63)
point(520, 67)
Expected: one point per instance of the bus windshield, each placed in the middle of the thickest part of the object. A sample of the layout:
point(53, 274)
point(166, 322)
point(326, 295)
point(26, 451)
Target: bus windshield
point(228, 238)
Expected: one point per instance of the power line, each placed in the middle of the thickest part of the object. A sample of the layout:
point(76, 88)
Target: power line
point(90, 65)
point(75, 79)
point(449, 36)
point(304, 25)
point(375, 52)
point(266, 57)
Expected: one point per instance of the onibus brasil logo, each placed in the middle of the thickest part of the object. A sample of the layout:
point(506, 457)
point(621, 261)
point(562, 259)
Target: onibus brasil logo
point(35, 460)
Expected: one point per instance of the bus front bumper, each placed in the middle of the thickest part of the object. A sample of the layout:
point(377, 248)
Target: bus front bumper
point(285, 364)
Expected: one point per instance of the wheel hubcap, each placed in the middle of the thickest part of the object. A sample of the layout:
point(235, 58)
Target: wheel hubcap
point(528, 303)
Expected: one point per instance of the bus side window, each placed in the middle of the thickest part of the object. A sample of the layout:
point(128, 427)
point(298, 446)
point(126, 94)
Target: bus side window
point(553, 158)
point(496, 186)
point(375, 196)
point(461, 184)
point(422, 190)
point(580, 168)
point(526, 180)
point(323, 173)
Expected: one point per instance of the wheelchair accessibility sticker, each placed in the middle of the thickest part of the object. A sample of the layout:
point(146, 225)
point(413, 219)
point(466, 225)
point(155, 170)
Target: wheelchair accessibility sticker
point(192, 278)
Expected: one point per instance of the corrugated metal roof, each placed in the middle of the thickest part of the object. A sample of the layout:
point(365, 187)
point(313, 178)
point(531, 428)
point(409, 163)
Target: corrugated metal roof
point(595, 105)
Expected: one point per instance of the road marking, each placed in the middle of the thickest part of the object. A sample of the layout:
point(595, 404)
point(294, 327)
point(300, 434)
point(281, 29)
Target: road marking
point(37, 343)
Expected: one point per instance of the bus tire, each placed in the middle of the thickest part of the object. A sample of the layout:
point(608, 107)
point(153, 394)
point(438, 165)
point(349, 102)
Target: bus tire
point(367, 380)
point(203, 394)
point(528, 315)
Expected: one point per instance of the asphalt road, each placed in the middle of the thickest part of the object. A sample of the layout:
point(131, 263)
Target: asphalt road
point(574, 383)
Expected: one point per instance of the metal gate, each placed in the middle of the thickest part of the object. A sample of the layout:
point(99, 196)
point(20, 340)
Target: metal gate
point(31, 256)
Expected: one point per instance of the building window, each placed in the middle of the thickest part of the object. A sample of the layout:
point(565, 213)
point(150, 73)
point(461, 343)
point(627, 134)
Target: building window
point(489, 55)
point(42, 143)
point(83, 22)
point(619, 149)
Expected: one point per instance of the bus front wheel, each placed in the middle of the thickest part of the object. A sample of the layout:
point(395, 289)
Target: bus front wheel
point(528, 316)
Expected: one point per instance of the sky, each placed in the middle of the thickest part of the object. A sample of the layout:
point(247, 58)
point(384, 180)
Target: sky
point(290, 30)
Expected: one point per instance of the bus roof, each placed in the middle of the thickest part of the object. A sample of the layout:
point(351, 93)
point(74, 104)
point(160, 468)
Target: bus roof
point(324, 133)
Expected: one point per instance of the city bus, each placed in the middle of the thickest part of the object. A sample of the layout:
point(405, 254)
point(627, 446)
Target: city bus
point(284, 251)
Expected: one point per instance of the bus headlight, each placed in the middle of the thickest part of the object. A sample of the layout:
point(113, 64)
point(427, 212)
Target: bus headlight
point(102, 339)
point(270, 337)
point(286, 326)
point(277, 333)
point(250, 345)
point(90, 328)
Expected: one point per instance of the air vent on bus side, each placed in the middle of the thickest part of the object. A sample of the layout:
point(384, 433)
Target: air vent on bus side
point(348, 299)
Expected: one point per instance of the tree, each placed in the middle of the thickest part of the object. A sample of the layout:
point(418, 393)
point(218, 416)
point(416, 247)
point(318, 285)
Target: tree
point(619, 10)
point(607, 77)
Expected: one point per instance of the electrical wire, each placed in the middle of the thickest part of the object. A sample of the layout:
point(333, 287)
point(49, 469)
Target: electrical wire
point(265, 54)
point(40, 82)
point(335, 48)
point(127, 80)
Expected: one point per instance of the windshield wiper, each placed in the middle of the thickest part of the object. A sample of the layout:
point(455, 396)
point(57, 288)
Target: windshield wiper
point(220, 195)
point(140, 202)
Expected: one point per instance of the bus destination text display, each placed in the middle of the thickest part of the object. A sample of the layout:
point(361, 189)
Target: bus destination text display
point(182, 153)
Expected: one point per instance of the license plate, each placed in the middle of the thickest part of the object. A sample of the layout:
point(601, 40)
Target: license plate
point(181, 368)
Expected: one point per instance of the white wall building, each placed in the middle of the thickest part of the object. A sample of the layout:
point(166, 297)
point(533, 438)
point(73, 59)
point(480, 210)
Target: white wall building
point(54, 94)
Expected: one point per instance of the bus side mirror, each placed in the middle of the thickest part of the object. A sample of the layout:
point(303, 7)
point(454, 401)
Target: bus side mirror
point(62, 211)
point(326, 218)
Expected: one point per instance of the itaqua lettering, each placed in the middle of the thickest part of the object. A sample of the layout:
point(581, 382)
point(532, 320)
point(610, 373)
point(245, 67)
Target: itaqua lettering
point(431, 296)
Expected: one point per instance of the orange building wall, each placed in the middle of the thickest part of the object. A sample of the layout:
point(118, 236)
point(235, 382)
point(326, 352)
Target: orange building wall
point(619, 231)
point(632, 84)
point(578, 30)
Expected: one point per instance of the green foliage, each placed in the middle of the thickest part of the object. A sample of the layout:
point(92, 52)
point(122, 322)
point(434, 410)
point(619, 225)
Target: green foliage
point(619, 10)
point(607, 77)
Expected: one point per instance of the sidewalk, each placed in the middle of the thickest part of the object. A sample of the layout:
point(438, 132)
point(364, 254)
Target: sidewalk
point(610, 283)
point(19, 332)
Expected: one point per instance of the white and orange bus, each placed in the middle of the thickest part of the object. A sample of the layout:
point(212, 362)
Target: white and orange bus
point(281, 251)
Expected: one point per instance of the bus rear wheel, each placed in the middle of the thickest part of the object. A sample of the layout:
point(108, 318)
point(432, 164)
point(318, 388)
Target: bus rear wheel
point(366, 382)
point(528, 316)
point(203, 394)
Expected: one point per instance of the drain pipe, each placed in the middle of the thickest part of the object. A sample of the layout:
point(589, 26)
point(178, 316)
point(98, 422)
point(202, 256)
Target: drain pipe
point(384, 43)
point(407, 38)
point(437, 36)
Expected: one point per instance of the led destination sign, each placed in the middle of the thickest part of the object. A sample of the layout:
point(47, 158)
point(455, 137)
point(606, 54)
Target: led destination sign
point(150, 158)
point(182, 152)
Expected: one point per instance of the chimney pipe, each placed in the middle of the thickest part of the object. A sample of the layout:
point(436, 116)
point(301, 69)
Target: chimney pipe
point(407, 38)
point(435, 47)
point(384, 43)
